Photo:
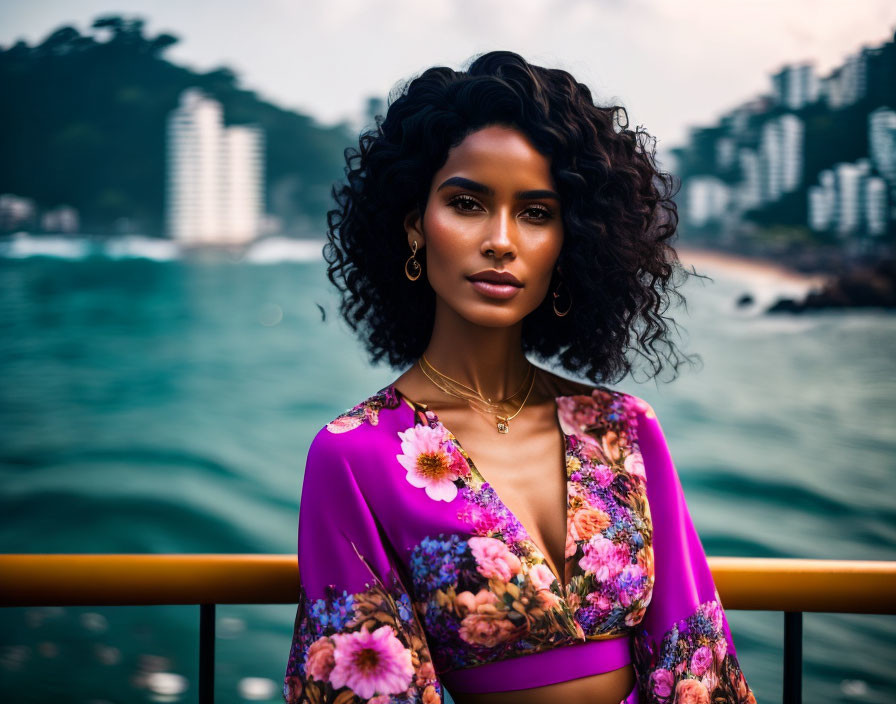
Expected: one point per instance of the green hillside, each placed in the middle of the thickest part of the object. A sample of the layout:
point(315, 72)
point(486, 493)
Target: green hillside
point(84, 119)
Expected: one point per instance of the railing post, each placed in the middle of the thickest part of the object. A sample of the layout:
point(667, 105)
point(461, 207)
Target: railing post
point(206, 653)
point(793, 657)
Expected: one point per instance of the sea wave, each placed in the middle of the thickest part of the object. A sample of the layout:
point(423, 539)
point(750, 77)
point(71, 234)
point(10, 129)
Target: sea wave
point(274, 250)
point(23, 245)
point(270, 250)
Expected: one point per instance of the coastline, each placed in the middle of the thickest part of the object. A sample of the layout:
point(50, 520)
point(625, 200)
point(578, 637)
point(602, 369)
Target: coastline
point(714, 260)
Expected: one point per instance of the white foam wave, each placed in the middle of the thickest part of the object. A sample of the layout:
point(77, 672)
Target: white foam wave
point(23, 245)
point(136, 247)
point(273, 250)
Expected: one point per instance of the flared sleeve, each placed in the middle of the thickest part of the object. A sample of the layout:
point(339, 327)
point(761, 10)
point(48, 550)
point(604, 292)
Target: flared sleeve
point(357, 637)
point(683, 649)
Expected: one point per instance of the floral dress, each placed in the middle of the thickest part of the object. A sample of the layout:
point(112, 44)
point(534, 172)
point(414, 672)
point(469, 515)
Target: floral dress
point(415, 577)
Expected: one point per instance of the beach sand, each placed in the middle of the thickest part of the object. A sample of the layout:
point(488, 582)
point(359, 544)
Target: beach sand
point(706, 261)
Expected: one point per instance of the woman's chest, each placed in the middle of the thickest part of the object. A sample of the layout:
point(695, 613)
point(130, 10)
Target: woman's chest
point(477, 554)
point(528, 473)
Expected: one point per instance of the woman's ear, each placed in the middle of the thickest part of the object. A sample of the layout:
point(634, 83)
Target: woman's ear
point(413, 226)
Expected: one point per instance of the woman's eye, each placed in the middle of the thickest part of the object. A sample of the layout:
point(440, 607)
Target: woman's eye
point(464, 203)
point(536, 213)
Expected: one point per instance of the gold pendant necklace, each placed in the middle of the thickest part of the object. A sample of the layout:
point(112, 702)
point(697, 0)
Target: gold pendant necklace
point(473, 397)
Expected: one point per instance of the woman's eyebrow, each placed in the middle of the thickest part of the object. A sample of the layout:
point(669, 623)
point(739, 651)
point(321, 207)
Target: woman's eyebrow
point(477, 187)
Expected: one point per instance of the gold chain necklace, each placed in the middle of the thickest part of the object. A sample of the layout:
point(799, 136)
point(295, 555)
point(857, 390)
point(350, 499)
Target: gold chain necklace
point(473, 392)
point(474, 398)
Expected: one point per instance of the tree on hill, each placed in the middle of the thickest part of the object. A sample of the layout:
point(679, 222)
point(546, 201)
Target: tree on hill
point(84, 124)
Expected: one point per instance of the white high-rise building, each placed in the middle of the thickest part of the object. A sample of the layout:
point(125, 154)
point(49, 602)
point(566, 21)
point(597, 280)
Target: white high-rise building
point(848, 83)
point(876, 206)
point(823, 202)
point(749, 191)
point(707, 200)
point(792, 146)
point(726, 153)
point(215, 175)
point(770, 161)
point(796, 86)
point(243, 155)
point(882, 142)
point(849, 198)
point(781, 156)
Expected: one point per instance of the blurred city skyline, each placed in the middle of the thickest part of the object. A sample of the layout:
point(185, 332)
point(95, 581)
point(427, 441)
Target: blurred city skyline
point(673, 66)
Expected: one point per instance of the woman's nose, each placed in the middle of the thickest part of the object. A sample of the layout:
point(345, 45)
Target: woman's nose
point(501, 235)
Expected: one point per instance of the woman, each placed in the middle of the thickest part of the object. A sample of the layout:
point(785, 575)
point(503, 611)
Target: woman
point(494, 213)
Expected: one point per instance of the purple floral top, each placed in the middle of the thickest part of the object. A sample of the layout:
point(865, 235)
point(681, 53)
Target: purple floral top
point(416, 577)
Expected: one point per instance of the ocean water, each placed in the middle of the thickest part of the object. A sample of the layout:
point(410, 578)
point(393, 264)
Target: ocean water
point(154, 402)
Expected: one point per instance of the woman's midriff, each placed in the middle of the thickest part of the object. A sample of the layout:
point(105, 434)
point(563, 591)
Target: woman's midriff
point(606, 688)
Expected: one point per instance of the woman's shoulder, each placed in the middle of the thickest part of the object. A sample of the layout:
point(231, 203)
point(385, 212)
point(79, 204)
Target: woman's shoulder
point(605, 400)
point(365, 412)
point(343, 440)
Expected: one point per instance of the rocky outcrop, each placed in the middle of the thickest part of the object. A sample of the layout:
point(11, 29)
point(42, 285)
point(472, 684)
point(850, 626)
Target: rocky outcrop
point(860, 287)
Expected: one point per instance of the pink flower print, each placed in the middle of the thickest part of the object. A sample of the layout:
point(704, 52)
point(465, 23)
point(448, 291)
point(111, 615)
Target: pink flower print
point(344, 423)
point(541, 576)
point(431, 461)
point(575, 413)
point(467, 603)
point(714, 613)
point(637, 405)
point(371, 662)
point(603, 475)
point(701, 660)
point(319, 660)
point(720, 650)
point(494, 559)
point(483, 521)
point(591, 452)
point(488, 627)
point(634, 465)
point(690, 691)
point(603, 558)
point(601, 601)
point(661, 680)
point(483, 623)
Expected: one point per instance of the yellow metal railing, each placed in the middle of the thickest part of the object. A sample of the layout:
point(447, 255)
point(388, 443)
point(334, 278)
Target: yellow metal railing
point(764, 584)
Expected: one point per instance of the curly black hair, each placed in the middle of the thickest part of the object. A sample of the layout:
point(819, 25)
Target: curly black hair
point(618, 217)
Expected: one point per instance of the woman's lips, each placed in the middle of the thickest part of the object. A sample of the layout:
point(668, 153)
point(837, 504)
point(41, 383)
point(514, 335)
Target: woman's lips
point(493, 290)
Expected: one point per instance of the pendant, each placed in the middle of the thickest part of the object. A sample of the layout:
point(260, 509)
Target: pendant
point(503, 425)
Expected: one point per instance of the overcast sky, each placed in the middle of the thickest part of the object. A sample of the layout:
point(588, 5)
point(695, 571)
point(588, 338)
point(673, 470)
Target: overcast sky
point(672, 63)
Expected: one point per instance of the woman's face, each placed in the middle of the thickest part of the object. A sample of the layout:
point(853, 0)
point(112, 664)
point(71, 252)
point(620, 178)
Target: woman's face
point(492, 207)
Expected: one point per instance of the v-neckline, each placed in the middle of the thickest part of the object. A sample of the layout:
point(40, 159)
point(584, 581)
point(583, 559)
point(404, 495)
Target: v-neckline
point(433, 420)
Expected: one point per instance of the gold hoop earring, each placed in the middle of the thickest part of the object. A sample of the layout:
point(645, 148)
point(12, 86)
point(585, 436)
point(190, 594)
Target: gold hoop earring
point(556, 295)
point(414, 264)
